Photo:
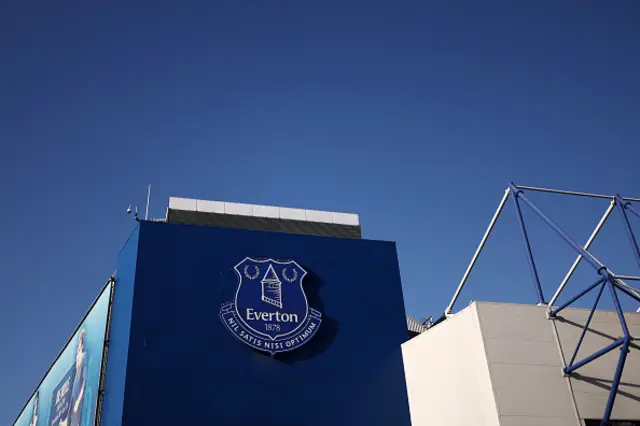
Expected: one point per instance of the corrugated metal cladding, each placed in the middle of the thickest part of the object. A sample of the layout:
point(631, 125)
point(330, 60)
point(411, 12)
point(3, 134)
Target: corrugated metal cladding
point(264, 224)
point(415, 327)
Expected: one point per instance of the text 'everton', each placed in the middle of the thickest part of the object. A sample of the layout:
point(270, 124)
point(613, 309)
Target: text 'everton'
point(253, 315)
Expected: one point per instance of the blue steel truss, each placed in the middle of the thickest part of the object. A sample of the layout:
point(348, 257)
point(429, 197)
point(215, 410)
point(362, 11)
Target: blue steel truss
point(605, 277)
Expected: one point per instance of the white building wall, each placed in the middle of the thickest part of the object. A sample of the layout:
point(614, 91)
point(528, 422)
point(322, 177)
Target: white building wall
point(447, 375)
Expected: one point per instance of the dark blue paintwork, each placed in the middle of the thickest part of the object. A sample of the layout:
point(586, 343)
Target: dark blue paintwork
point(185, 368)
point(119, 334)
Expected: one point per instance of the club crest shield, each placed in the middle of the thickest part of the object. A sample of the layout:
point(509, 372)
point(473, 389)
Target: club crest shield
point(270, 311)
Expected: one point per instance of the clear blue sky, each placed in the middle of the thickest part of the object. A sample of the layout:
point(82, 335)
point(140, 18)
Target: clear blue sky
point(413, 115)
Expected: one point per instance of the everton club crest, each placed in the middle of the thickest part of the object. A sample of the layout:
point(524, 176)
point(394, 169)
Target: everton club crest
point(270, 311)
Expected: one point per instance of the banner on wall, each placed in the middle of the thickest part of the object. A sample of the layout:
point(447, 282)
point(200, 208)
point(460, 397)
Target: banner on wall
point(68, 395)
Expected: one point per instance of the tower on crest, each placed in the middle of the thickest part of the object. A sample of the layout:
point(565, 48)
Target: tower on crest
point(272, 288)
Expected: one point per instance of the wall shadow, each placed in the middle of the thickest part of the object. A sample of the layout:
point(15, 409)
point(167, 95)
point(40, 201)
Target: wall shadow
point(606, 384)
point(596, 332)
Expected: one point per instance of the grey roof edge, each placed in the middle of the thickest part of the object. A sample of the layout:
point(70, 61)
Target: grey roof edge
point(263, 211)
point(264, 224)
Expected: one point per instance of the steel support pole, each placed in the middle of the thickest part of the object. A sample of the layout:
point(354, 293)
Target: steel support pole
point(478, 250)
point(586, 325)
point(623, 354)
point(587, 360)
point(616, 383)
point(577, 247)
point(579, 194)
point(146, 210)
point(555, 312)
point(527, 245)
point(617, 281)
point(579, 258)
point(628, 292)
point(630, 208)
point(561, 191)
point(619, 311)
point(619, 278)
point(627, 277)
point(622, 206)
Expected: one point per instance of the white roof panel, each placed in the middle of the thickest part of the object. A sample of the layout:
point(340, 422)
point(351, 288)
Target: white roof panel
point(255, 210)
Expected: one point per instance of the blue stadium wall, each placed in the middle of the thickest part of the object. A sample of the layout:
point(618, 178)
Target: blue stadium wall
point(118, 339)
point(180, 366)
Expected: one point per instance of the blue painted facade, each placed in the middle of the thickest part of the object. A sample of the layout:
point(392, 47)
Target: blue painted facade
point(115, 378)
point(183, 367)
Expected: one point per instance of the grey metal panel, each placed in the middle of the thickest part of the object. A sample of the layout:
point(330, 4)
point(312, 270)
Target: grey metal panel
point(243, 209)
point(534, 391)
point(514, 322)
point(521, 348)
point(600, 316)
point(525, 366)
point(534, 421)
point(523, 352)
point(263, 224)
point(591, 405)
point(414, 325)
point(183, 204)
point(591, 383)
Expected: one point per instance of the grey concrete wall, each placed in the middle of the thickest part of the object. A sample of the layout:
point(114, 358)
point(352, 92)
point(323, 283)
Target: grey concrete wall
point(592, 383)
point(525, 366)
point(447, 375)
point(498, 363)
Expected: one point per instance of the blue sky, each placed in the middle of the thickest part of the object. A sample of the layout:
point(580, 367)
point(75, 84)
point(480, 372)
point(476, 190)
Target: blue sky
point(413, 115)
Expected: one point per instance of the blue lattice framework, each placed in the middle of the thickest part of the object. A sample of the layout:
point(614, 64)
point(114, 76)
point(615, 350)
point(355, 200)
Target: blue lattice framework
point(605, 277)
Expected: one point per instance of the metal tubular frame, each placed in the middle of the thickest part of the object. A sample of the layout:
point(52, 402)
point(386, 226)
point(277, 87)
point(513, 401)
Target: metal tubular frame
point(553, 312)
point(622, 207)
point(527, 246)
point(630, 208)
point(625, 290)
point(606, 277)
point(579, 258)
point(627, 277)
point(571, 368)
point(463, 281)
point(577, 247)
point(586, 325)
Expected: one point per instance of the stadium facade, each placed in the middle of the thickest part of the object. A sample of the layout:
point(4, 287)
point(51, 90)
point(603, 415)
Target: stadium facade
point(502, 364)
point(236, 314)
